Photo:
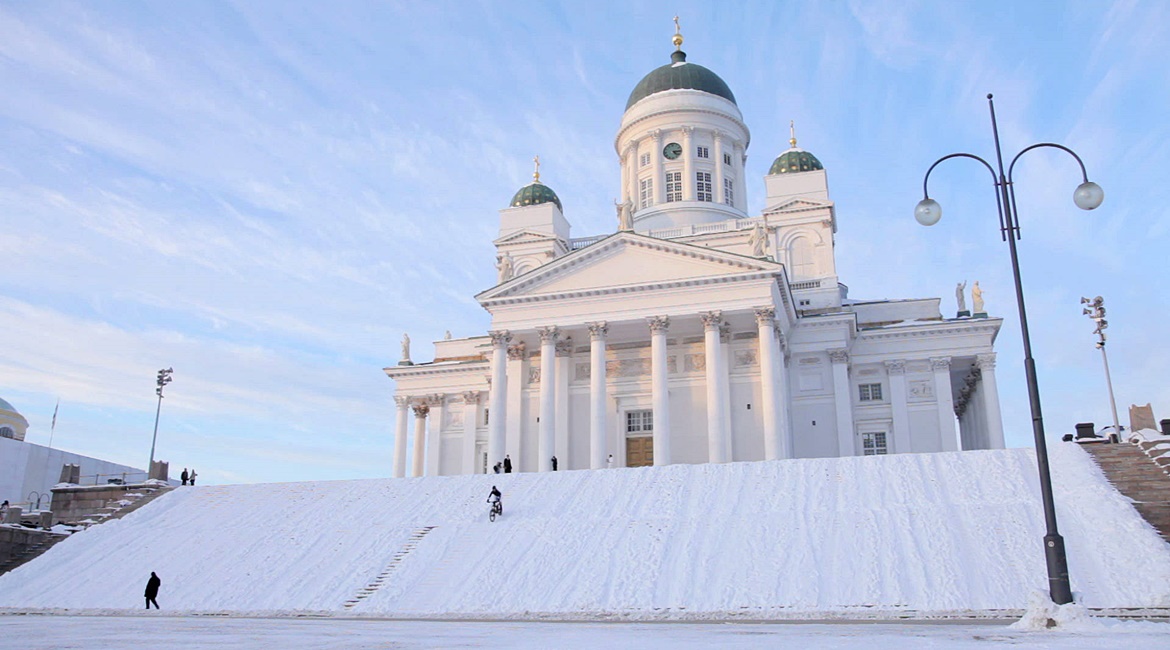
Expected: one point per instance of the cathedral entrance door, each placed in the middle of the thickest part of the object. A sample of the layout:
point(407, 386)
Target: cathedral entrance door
point(640, 451)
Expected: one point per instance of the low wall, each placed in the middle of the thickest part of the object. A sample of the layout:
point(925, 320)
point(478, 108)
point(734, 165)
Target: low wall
point(75, 503)
point(15, 540)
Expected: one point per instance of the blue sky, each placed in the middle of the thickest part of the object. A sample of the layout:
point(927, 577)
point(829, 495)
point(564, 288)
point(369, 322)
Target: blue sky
point(266, 195)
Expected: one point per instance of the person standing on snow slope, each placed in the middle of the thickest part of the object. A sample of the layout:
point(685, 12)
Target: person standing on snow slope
point(507, 464)
point(152, 586)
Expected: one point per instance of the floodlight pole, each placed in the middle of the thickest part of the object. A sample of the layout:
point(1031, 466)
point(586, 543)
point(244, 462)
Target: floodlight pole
point(1087, 196)
point(164, 378)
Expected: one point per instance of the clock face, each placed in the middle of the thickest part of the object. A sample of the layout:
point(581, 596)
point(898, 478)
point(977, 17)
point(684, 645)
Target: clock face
point(672, 150)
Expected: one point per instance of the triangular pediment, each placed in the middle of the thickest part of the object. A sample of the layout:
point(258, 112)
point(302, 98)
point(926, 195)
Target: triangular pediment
point(627, 261)
point(798, 205)
point(523, 236)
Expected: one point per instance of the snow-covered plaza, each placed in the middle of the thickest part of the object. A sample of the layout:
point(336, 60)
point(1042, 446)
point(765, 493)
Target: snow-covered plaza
point(200, 633)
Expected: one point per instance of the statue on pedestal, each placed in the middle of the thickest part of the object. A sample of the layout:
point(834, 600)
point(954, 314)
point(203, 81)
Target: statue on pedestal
point(977, 299)
point(405, 361)
point(961, 299)
point(625, 214)
point(758, 240)
point(504, 267)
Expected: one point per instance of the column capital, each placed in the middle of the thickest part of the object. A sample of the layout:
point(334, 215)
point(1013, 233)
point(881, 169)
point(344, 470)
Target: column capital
point(940, 363)
point(985, 361)
point(598, 330)
point(839, 355)
point(725, 332)
point(717, 135)
point(402, 401)
point(436, 399)
point(518, 352)
point(658, 323)
point(657, 135)
point(500, 337)
point(471, 397)
point(548, 334)
point(711, 319)
point(420, 410)
point(565, 347)
point(688, 131)
point(896, 367)
point(765, 315)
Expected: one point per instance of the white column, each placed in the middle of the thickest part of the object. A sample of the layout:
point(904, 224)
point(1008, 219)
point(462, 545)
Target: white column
point(945, 403)
point(597, 397)
point(546, 443)
point(775, 442)
point(402, 405)
point(725, 390)
point(656, 165)
point(564, 368)
point(898, 406)
point(688, 163)
point(992, 415)
point(420, 435)
point(660, 389)
point(843, 398)
point(631, 187)
point(498, 397)
point(716, 435)
point(719, 195)
point(470, 422)
point(435, 434)
point(740, 156)
point(514, 425)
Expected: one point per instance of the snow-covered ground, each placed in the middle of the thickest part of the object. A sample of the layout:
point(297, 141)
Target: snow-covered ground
point(917, 534)
point(154, 632)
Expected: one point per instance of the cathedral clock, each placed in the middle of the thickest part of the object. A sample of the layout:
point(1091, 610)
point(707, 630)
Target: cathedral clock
point(672, 151)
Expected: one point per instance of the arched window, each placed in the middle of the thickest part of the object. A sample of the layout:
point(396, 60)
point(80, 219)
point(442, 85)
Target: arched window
point(800, 258)
point(7, 432)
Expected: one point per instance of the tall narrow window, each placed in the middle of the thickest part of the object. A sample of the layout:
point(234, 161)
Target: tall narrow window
point(646, 192)
point(673, 186)
point(874, 444)
point(728, 192)
point(644, 160)
point(726, 159)
point(703, 152)
point(703, 186)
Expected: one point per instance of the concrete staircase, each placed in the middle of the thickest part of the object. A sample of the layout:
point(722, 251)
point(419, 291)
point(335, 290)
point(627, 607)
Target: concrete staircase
point(376, 583)
point(1138, 477)
point(23, 545)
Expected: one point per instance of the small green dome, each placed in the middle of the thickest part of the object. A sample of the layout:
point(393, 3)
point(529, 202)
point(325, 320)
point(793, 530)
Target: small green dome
point(676, 75)
point(795, 160)
point(535, 193)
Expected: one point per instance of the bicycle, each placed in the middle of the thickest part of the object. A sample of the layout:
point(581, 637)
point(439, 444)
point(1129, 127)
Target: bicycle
point(497, 509)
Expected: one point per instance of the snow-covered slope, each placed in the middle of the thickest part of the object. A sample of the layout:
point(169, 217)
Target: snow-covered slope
point(924, 532)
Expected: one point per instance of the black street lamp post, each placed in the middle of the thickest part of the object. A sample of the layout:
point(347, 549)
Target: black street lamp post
point(164, 378)
point(1087, 196)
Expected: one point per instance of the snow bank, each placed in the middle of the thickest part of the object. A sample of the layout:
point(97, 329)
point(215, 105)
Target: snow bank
point(913, 533)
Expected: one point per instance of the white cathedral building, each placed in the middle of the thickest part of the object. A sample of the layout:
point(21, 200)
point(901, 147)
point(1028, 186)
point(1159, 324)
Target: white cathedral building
point(695, 333)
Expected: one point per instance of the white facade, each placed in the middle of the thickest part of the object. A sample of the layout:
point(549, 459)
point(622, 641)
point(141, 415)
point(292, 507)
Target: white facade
point(695, 333)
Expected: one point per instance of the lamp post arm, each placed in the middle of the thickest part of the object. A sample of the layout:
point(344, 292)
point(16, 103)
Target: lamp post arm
point(1084, 173)
point(995, 180)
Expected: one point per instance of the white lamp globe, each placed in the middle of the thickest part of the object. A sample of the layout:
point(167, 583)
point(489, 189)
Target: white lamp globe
point(928, 212)
point(1088, 195)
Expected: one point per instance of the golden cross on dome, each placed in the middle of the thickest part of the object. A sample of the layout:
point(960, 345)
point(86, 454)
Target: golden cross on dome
point(536, 173)
point(792, 133)
point(677, 39)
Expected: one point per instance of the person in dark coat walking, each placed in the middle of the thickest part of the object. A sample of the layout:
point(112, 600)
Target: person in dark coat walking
point(183, 476)
point(507, 464)
point(152, 586)
point(496, 468)
point(554, 463)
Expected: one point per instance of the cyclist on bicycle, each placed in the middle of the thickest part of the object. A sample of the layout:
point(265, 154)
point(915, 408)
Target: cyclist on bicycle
point(494, 499)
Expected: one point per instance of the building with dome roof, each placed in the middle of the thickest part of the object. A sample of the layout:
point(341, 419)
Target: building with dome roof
point(12, 424)
point(695, 332)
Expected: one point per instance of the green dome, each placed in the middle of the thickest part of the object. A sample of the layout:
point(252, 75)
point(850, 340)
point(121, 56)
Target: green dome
point(5, 406)
point(795, 160)
point(676, 75)
point(535, 193)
